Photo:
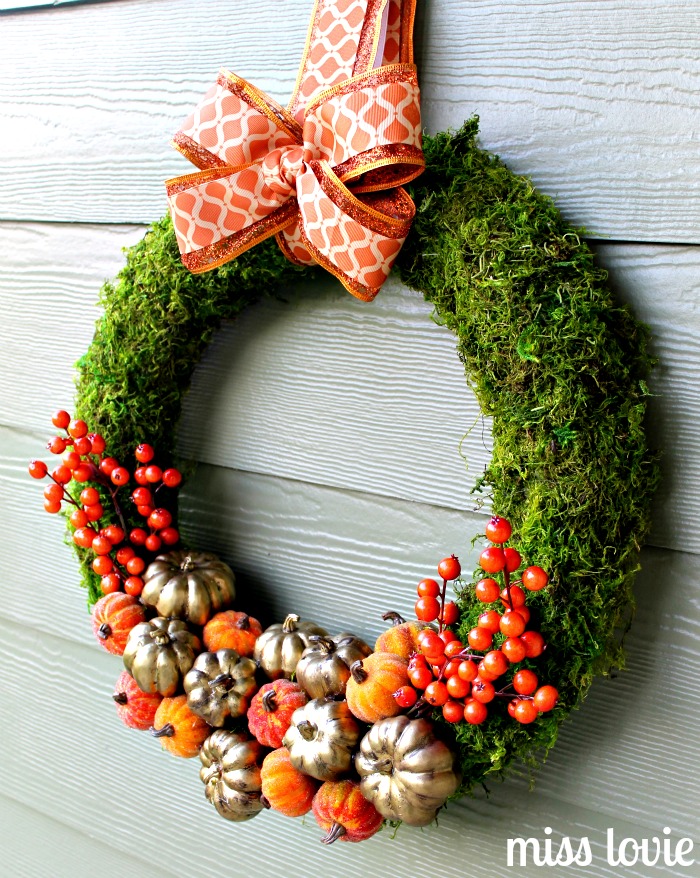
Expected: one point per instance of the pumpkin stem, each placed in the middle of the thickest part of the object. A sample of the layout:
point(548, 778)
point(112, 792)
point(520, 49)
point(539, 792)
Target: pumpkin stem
point(226, 682)
point(187, 564)
point(384, 766)
point(336, 831)
point(167, 731)
point(359, 674)
point(265, 802)
point(268, 701)
point(393, 617)
point(243, 623)
point(307, 730)
point(290, 623)
point(324, 643)
point(104, 631)
point(120, 697)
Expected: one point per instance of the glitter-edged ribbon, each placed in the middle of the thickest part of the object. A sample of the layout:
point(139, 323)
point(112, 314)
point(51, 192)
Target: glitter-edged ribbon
point(324, 175)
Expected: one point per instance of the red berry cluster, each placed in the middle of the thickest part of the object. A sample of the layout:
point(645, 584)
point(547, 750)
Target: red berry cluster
point(118, 556)
point(460, 679)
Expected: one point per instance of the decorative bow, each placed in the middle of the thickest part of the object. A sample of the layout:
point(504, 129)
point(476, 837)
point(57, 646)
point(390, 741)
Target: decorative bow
point(327, 187)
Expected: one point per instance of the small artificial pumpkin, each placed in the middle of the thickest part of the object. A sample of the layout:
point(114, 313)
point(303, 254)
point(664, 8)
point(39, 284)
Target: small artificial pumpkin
point(188, 585)
point(321, 738)
point(181, 732)
point(324, 667)
point(230, 773)
point(219, 685)
point(159, 653)
point(280, 646)
point(271, 709)
point(371, 687)
point(343, 813)
point(232, 630)
point(406, 771)
point(113, 617)
point(284, 787)
point(136, 709)
point(402, 637)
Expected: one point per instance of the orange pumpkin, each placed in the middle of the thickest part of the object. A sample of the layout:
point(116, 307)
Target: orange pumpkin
point(181, 732)
point(113, 617)
point(343, 812)
point(401, 638)
point(284, 787)
point(232, 630)
point(371, 687)
point(136, 709)
point(270, 711)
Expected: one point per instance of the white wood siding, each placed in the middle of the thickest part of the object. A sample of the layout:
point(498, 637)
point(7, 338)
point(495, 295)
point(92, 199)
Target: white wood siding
point(329, 431)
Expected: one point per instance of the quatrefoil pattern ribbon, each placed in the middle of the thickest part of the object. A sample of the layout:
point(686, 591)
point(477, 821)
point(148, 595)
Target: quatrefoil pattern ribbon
point(325, 175)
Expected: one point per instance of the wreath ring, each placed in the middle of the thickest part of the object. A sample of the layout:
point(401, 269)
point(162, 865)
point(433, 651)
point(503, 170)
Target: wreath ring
point(555, 362)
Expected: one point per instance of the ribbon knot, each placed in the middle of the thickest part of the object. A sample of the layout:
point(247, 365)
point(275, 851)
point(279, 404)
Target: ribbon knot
point(324, 176)
point(281, 167)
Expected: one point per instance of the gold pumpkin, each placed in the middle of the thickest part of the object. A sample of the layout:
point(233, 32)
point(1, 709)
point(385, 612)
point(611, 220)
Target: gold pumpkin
point(188, 585)
point(405, 770)
point(231, 774)
point(159, 653)
point(279, 647)
point(219, 685)
point(324, 667)
point(321, 738)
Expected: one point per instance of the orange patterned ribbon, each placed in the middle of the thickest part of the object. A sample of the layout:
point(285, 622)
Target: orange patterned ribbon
point(324, 175)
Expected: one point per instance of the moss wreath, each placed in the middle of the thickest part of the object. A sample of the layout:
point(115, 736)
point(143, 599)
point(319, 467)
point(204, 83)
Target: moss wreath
point(557, 364)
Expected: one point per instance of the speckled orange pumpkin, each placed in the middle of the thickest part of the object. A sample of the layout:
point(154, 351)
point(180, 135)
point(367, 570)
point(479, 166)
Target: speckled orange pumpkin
point(284, 787)
point(342, 811)
point(136, 709)
point(401, 638)
point(271, 709)
point(113, 617)
point(371, 687)
point(232, 630)
point(181, 732)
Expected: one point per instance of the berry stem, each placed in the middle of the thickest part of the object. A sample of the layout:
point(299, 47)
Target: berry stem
point(66, 495)
point(117, 507)
point(98, 476)
point(442, 606)
point(506, 580)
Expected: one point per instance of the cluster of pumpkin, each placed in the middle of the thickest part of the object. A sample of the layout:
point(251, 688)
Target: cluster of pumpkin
point(333, 740)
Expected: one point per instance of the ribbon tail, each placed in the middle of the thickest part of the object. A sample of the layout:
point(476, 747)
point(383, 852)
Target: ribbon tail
point(357, 240)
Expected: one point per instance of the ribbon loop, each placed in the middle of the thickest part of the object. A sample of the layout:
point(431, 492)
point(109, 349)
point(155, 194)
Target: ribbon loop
point(327, 187)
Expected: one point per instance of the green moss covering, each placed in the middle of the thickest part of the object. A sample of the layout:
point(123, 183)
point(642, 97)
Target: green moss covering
point(557, 364)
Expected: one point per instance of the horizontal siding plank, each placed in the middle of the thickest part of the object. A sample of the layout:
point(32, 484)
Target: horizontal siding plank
point(25, 5)
point(137, 785)
point(64, 851)
point(323, 389)
point(599, 116)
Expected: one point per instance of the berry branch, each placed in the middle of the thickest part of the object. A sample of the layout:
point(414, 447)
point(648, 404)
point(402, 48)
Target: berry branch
point(120, 554)
point(460, 678)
